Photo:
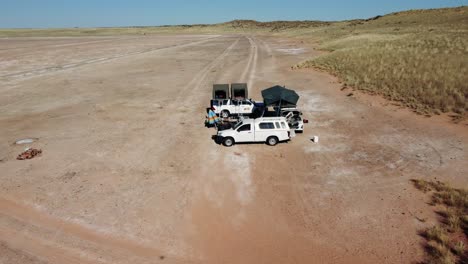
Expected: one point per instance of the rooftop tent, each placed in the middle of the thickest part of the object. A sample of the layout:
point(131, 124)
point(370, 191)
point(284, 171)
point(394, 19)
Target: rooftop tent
point(279, 96)
point(220, 91)
point(239, 91)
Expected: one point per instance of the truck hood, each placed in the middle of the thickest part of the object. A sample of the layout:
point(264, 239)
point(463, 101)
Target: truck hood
point(226, 132)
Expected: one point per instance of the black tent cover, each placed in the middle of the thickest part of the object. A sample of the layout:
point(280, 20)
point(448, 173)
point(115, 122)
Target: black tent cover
point(278, 95)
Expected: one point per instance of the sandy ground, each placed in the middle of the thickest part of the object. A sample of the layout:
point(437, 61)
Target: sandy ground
point(129, 174)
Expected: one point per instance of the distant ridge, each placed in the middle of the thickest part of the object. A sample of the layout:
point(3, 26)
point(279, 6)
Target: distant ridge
point(275, 25)
point(446, 16)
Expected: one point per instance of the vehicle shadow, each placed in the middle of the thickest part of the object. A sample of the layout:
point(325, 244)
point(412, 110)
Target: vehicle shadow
point(215, 139)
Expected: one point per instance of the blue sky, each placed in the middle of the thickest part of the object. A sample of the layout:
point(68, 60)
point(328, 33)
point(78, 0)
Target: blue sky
point(106, 13)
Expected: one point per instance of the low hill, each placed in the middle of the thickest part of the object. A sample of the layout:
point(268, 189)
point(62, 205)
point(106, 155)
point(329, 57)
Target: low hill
point(274, 26)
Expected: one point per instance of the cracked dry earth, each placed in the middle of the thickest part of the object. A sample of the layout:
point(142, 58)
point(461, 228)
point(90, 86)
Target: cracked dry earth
point(128, 173)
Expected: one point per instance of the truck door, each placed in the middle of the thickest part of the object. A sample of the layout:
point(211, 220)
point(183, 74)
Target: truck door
point(245, 133)
point(246, 107)
point(234, 107)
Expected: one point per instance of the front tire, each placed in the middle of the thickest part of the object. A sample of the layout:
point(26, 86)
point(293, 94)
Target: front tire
point(228, 142)
point(225, 114)
point(272, 141)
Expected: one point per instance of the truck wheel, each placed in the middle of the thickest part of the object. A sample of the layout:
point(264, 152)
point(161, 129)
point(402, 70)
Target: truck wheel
point(225, 114)
point(272, 141)
point(228, 142)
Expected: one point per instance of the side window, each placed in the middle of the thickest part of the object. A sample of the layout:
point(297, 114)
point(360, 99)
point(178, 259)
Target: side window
point(234, 102)
point(225, 102)
point(244, 128)
point(277, 125)
point(266, 126)
point(283, 125)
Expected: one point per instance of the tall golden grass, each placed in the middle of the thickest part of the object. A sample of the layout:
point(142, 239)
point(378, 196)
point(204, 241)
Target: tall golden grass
point(419, 58)
point(446, 242)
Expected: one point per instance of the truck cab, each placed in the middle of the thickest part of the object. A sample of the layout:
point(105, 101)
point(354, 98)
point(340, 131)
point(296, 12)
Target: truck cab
point(270, 130)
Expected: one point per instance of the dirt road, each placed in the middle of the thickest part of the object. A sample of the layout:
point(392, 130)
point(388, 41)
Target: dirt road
point(129, 174)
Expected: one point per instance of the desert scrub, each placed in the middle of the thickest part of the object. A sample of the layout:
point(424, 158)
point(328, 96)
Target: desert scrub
point(446, 242)
point(419, 58)
point(426, 73)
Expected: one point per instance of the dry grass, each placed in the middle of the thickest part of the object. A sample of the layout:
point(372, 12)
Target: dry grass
point(453, 221)
point(446, 242)
point(274, 26)
point(439, 254)
point(437, 234)
point(419, 58)
point(460, 247)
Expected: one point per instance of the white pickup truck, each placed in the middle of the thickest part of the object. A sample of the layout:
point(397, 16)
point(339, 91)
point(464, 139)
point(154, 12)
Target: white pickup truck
point(266, 129)
point(227, 107)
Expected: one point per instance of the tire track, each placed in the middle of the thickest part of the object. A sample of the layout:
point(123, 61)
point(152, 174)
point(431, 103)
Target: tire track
point(37, 249)
point(254, 65)
point(193, 89)
point(54, 69)
point(196, 83)
point(64, 45)
point(116, 247)
point(251, 67)
point(209, 186)
point(249, 62)
point(195, 86)
point(190, 94)
point(27, 216)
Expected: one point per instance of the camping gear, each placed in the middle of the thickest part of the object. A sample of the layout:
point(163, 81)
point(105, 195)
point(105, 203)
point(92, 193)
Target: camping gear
point(280, 97)
point(220, 91)
point(25, 141)
point(29, 153)
point(212, 118)
point(239, 91)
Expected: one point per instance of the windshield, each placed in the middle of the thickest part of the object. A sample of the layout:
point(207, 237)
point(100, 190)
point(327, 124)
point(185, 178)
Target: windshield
point(238, 124)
